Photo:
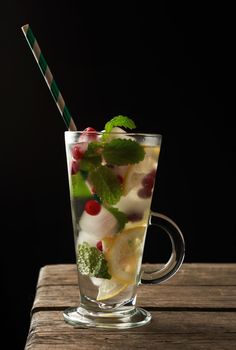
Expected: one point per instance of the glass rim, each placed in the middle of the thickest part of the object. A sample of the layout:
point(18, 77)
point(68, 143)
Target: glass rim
point(69, 132)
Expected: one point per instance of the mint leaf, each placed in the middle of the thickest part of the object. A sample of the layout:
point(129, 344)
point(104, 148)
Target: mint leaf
point(107, 185)
point(121, 121)
point(92, 157)
point(79, 186)
point(120, 217)
point(123, 151)
point(91, 261)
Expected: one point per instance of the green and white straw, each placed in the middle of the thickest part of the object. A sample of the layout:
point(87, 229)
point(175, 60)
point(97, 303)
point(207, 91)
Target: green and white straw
point(33, 44)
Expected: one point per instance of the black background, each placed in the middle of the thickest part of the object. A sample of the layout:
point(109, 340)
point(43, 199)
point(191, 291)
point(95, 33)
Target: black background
point(170, 68)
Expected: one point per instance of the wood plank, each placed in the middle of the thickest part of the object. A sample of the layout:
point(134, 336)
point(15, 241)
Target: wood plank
point(60, 274)
point(167, 330)
point(189, 274)
point(159, 296)
point(194, 310)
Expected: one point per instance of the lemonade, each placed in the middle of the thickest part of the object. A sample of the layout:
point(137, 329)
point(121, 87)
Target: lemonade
point(111, 178)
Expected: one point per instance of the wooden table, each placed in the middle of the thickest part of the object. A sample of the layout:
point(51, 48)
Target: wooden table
point(196, 309)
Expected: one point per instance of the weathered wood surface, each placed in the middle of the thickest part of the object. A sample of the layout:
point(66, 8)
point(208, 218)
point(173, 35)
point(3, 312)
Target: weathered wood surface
point(189, 274)
point(196, 309)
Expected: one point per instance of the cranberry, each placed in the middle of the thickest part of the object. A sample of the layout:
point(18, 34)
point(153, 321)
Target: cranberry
point(153, 173)
point(120, 179)
point(135, 217)
point(88, 135)
point(92, 207)
point(99, 245)
point(93, 190)
point(89, 129)
point(148, 181)
point(74, 167)
point(145, 192)
point(78, 150)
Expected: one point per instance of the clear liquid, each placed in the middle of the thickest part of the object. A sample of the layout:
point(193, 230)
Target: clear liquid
point(122, 250)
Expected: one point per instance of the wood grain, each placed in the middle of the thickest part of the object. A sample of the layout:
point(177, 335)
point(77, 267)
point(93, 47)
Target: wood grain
point(221, 297)
point(196, 309)
point(168, 330)
point(189, 274)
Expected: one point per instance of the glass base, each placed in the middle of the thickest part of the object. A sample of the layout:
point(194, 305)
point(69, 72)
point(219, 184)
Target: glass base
point(122, 319)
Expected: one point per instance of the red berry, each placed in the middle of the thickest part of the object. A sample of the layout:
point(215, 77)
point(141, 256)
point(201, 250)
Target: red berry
point(135, 217)
point(89, 129)
point(93, 189)
point(145, 192)
point(153, 173)
point(120, 179)
point(78, 150)
point(74, 167)
point(99, 245)
point(92, 207)
point(148, 181)
point(89, 134)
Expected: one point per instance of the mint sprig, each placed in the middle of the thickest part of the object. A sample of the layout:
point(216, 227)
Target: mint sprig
point(107, 185)
point(123, 152)
point(91, 261)
point(121, 121)
point(114, 151)
point(92, 157)
point(120, 217)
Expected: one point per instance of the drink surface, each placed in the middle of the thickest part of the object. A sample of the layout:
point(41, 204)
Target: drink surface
point(111, 185)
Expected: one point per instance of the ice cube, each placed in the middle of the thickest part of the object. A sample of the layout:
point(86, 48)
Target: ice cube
point(87, 237)
point(145, 166)
point(118, 133)
point(97, 281)
point(133, 203)
point(120, 170)
point(100, 225)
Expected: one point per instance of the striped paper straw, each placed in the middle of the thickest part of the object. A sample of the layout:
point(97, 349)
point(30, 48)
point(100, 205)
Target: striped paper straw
point(33, 44)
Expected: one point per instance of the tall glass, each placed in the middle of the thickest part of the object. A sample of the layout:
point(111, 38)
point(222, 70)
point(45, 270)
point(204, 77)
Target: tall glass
point(111, 182)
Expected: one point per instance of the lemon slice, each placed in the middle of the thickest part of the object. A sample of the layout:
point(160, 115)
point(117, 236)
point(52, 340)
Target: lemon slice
point(107, 243)
point(109, 289)
point(152, 152)
point(125, 255)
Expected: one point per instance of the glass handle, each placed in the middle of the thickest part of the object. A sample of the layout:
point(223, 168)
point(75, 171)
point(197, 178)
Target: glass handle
point(175, 261)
